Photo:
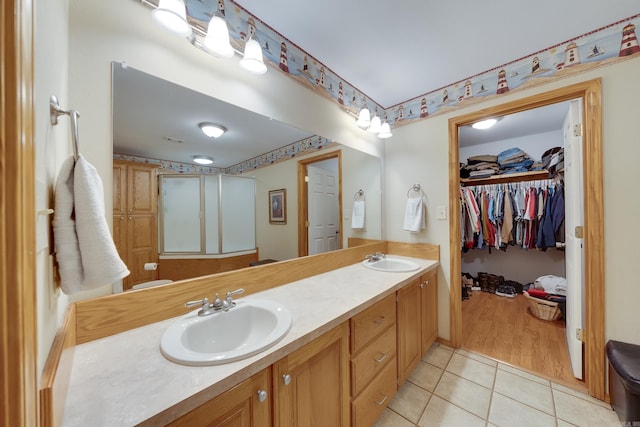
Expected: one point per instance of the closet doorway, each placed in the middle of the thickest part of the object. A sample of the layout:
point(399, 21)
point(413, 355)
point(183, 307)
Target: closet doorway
point(588, 93)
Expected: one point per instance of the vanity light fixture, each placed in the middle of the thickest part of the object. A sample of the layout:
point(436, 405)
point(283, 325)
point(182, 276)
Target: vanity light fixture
point(217, 38)
point(172, 15)
point(385, 131)
point(252, 60)
point(203, 160)
point(484, 124)
point(376, 124)
point(364, 118)
point(212, 130)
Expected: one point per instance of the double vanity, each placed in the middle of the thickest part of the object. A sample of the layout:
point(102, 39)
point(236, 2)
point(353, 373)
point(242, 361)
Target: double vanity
point(334, 346)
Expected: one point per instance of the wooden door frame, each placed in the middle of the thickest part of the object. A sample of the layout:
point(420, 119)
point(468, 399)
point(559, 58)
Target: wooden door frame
point(303, 199)
point(594, 333)
point(18, 308)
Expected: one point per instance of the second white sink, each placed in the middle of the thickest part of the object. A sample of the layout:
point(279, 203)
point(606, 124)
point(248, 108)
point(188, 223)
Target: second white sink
point(250, 327)
point(392, 264)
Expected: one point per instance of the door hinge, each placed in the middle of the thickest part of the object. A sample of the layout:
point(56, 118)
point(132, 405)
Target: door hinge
point(306, 178)
point(306, 224)
point(579, 232)
point(580, 334)
point(577, 130)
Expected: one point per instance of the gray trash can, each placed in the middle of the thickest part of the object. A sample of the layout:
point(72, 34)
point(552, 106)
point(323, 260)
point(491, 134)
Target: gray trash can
point(624, 380)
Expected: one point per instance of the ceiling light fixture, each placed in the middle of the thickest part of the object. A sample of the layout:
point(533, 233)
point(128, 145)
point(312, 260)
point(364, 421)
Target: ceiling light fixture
point(203, 160)
point(252, 60)
point(212, 130)
point(484, 124)
point(172, 15)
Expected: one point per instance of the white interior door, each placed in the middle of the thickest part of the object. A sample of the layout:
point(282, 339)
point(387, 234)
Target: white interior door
point(323, 210)
point(574, 217)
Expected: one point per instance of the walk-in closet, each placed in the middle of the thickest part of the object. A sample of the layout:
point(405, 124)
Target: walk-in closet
point(520, 193)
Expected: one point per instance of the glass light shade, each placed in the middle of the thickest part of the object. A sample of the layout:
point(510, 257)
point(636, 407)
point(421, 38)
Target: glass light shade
point(211, 130)
point(203, 160)
point(376, 124)
point(385, 131)
point(484, 124)
point(364, 118)
point(252, 60)
point(172, 15)
point(217, 39)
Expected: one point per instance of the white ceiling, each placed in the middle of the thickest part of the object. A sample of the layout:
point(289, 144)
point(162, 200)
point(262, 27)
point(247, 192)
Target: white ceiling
point(394, 51)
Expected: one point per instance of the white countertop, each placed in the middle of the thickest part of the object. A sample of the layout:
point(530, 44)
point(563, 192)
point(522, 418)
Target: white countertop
point(123, 379)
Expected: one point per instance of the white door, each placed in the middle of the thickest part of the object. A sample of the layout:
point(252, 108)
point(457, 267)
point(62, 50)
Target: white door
point(323, 210)
point(574, 217)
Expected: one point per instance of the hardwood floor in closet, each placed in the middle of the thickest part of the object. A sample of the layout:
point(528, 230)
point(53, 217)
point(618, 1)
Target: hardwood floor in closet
point(504, 329)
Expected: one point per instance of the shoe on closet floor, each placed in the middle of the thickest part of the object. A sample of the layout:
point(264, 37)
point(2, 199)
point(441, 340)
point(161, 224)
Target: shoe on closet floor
point(506, 291)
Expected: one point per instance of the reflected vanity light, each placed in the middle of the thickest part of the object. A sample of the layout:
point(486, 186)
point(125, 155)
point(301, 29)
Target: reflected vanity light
point(203, 160)
point(373, 125)
point(484, 124)
point(212, 130)
point(385, 131)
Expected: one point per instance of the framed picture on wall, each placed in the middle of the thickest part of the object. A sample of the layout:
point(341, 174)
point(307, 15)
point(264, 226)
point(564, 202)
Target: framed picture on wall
point(278, 206)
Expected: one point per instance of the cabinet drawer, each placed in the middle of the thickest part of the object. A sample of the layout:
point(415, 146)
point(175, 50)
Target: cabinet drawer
point(372, 359)
point(372, 322)
point(367, 407)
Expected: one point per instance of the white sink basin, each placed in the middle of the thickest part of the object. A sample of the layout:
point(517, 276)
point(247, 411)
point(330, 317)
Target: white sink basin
point(250, 327)
point(392, 264)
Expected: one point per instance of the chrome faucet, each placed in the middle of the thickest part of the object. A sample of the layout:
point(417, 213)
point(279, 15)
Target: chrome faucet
point(375, 257)
point(217, 305)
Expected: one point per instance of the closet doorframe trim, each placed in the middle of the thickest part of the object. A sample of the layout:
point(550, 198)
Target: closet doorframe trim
point(589, 92)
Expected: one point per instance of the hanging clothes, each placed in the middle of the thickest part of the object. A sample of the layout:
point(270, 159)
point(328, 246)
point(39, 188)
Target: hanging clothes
point(529, 215)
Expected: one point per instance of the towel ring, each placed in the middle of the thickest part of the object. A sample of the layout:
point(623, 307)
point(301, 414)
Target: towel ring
point(359, 194)
point(416, 188)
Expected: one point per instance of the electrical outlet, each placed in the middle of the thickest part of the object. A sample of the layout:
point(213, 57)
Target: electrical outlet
point(441, 212)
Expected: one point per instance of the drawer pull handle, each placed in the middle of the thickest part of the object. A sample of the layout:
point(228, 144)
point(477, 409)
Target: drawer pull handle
point(262, 395)
point(381, 357)
point(379, 320)
point(381, 402)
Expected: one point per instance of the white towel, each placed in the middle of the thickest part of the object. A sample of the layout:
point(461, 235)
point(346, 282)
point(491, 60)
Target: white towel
point(100, 260)
point(357, 217)
point(64, 232)
point(86, 255)
point(414, 219)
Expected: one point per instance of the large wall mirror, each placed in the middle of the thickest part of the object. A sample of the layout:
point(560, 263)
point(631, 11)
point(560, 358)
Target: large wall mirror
point(159, 120)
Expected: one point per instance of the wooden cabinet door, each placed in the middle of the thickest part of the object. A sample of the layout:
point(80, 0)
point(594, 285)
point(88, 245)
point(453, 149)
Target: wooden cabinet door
point(142, 193)
point(311, 385)
point(429, 309)
point(119, 188)
point(142, 248)
point(246, 405)
point(408, 324)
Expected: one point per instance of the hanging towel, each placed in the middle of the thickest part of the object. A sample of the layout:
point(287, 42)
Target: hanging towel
point(85, 252)
point(414, 219)
point(357, 217)
point(100, 260)
point(64, 231)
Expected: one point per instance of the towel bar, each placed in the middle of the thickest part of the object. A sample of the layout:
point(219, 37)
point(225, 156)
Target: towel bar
point(55, 111)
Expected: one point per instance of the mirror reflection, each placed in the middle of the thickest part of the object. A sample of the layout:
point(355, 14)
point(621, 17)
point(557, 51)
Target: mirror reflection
point(161, 126)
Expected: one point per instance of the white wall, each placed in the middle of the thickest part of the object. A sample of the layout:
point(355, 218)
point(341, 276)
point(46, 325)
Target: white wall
point(419, 153)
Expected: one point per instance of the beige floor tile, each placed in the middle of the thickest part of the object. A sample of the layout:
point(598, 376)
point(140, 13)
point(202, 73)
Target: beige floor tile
point(508, 412)
point(410, 401)
point(581, 412)
point(524, 374)
point(472, 370)
point(525, 391)
point(464, 393)
point(438, 356)
point(564, 423)
point(391, 419)
point(425, 376)
point(439, 413)
point(477, 357)
point(444, 346)
point(580, 394)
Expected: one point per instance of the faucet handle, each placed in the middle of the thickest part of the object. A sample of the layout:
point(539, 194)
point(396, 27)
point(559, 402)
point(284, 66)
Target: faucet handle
point(204, 302)
point(236, 292)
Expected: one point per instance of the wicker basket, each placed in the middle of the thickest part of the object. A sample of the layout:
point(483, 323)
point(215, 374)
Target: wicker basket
point(543, 309)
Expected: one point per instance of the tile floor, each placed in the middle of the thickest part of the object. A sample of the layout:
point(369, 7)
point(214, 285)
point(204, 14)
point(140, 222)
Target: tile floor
point(458, 388)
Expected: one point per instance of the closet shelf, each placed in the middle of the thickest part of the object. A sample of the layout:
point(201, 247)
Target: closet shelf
point(501, 179)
